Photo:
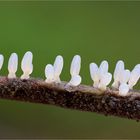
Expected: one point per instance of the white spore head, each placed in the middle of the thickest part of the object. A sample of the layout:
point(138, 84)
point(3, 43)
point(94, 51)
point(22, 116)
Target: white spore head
point(75, 65)
point(75, 80)
point(123, 89)
point(118, 70)
point(134, 77)
point(105, 80)
point(26, 65)
point(137, 66)
point(12, 65)
point(103, 67)
point(125, 75)
point(1, 60)
point(94, 72)
point(117, 73)
point(58, 66)
point(49, 73)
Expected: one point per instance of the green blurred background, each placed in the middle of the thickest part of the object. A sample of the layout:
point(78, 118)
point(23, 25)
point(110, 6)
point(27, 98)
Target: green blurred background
point(96, 31)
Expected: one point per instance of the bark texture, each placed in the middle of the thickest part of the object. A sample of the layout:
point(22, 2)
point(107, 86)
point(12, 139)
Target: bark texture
point(84, 98)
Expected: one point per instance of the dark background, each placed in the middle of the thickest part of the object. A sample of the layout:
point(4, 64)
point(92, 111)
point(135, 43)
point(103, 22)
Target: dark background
point(94, 30)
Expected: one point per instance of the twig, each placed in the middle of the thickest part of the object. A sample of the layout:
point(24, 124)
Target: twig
point(84, 98)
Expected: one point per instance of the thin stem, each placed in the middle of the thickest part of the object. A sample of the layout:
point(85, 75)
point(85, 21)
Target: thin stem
point(84, 98)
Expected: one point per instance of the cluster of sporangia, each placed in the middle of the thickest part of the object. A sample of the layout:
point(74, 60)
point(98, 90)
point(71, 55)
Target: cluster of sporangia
point(124, 80)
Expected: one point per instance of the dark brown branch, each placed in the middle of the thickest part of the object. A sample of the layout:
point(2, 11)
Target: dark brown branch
point(84, 98)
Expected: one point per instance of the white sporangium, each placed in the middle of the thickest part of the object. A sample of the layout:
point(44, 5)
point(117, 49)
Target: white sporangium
point(58, 66)
point(105, 79)
point(12, 65)
point(49, 73)
point(134, 76)
point(75, 65)
point(26, 65)
point(75, 80)
point(94, 73)
point(123, 89)
point(118, 73)
point(100, 76)
point(1, 60)
point(124, 79)
point(75, 70)
point(52, 72)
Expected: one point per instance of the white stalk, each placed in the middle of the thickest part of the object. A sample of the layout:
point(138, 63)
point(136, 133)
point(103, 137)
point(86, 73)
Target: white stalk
point(123, 89)
point(75, 80)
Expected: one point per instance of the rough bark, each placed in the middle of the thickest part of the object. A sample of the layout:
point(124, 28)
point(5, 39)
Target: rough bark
point(82, 97)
